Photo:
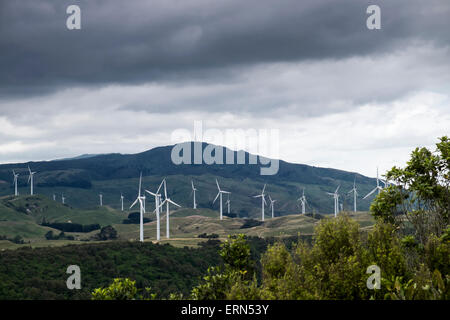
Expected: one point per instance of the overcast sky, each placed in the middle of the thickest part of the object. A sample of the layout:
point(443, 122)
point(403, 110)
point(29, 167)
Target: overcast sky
point(342, 96)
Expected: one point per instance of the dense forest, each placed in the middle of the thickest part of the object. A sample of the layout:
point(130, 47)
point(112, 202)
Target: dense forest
point(40, 273)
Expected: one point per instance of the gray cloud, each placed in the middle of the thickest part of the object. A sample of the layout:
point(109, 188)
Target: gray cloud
point(161, 40)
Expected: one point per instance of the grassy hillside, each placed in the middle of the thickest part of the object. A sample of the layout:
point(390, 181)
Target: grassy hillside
point(22, 217)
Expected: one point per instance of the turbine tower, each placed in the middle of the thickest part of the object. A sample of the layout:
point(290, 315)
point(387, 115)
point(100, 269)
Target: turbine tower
point(16, 175)
point(121, 200)
point(167, 201)
point(355, 194)
point(376, 188)
point(219, 194)
point(30, 179)
point(101, 199)
point(193, 192)
point(303, 201)
point(271, 204)
point(263, 201)
point(63, 199)
point(54, 197)
point(336, 201)
point(141, 210)
point(157, 196)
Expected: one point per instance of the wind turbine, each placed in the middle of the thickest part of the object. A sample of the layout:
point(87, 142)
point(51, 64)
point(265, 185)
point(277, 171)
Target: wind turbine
point(157, 196)
point(167, 201)
point(54, 197)
point(30, 179)
point(63, 199)
point(141, 210)
point(336, 201)
point(376, 188)
point(263, 201)
point(302, 199)
point(228, 204)
point(16, 175)
point(193, 192)
point(219, 194)
point(355, 194)
point(271, 204)
point(121, 200)
point(101, 199)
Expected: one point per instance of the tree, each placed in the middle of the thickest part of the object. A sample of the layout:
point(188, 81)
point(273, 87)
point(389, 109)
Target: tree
point(107, 233)
point(420, 194)
point(231, 280)
point(122, 289)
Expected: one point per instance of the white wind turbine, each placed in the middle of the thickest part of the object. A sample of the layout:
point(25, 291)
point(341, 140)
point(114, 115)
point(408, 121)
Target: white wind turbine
point(193, 192)
point(54, 197)
point(228, 202)
point(16, 175)
point(355, 194)
point(167, 201)
point(63, 199)
point(271, 204)
point(121, 200)
point(157, 196)
point(141, 210)
point(336, 201)
point(303, 201)
point(263, 201)
point(219, 194)
point(378, 187)
point(101, 199)
point(30, 179)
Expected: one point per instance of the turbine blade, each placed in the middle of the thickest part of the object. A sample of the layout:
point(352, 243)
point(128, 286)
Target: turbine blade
point(216, 197)
point(175, 204)
point(217, 182)
point(140, 182)
point(371, 192)
point(264, 188)
point(165, 189)
point(135, 201)
point(157, 191)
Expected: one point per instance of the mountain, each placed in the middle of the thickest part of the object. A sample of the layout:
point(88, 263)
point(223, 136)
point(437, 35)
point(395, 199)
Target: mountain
point(82, 179)
point(83, 156)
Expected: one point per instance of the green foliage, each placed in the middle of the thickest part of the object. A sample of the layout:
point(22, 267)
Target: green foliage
point(232, 280)
point(40, 273)
point(120, 289)
point(235, 252)
point(106, 233)
point(61, 236)
point(216, 284)
point(420, 194)
point(124, 289)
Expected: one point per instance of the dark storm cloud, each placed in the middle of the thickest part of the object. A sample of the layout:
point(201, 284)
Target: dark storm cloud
point(150, 41)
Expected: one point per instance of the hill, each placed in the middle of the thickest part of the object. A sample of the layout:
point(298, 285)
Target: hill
point(82, 179)
point(23, 216)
